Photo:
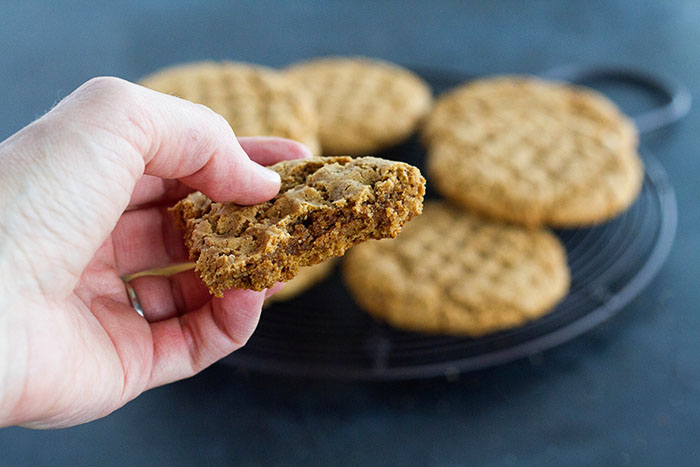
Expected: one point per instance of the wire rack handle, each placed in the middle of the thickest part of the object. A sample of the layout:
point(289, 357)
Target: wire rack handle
point(676, 96)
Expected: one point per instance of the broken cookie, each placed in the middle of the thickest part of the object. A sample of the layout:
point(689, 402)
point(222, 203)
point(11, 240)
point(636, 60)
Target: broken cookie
point(325, 206)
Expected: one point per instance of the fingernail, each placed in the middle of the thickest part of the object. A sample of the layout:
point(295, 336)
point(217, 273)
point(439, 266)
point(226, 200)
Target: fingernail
point(269, 175)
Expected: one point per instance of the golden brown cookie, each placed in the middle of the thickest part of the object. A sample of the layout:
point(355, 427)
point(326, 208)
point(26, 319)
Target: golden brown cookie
point(325, 206)
point(306, 278)
point(256, 101)
point(533, 152)
point(457, 273)
point(364, 105)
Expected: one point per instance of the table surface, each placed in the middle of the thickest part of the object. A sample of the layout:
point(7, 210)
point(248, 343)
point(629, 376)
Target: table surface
point(626, 393)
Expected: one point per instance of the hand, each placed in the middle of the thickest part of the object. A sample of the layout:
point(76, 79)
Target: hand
point(84, 192)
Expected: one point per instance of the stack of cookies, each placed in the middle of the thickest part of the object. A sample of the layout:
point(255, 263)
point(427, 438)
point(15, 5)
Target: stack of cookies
point(511, 156)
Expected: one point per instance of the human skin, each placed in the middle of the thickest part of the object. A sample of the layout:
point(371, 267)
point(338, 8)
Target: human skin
point(84, 192)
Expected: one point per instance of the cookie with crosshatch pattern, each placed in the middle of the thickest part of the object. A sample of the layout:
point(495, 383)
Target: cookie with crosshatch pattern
point(533, 152)
point(256, 101)
point(364, 105)
point(457, 273)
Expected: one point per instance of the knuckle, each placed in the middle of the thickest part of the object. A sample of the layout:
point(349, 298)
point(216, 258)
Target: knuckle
point(105, 87)
point(217, 119)
point(107, 93)
point(222, 122)
point(113, 104)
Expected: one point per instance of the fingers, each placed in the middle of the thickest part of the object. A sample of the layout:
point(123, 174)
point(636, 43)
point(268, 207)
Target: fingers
point(151, 355)
point(180, 346)
point(185, 345)
point(156, 190)
point(163, 297)
point(268, 150)
point(130, 335)
point(264, 150)
point(146, 239)
point(242, 182)
point(174, 139)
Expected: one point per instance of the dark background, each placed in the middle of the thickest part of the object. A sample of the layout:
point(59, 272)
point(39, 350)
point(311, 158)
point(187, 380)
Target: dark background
point(626, 393)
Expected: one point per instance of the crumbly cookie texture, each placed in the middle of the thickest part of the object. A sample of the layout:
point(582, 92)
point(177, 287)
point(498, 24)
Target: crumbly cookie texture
point(364, 105)
point(306, 278)
point(256, 101)
point(325, 206)
point(533, 152)
point(457, 273)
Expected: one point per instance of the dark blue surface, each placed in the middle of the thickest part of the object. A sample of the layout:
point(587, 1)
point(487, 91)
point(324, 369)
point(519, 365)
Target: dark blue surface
point(626, 393)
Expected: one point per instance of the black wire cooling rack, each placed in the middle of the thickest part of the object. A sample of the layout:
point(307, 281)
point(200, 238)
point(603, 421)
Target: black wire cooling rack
point(324, 334)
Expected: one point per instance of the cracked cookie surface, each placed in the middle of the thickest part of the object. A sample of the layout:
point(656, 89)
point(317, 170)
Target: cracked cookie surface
point(325, 206)
point(452, 272)
point(533, 152)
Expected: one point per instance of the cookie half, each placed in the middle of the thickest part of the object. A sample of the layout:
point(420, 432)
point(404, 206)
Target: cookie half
point(325, 206)
point(256, 101)
point(533, 152)
point(363, 105)
point(457, 273)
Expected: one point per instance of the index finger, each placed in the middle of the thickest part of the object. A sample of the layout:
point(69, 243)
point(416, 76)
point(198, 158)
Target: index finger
point(168, 137)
